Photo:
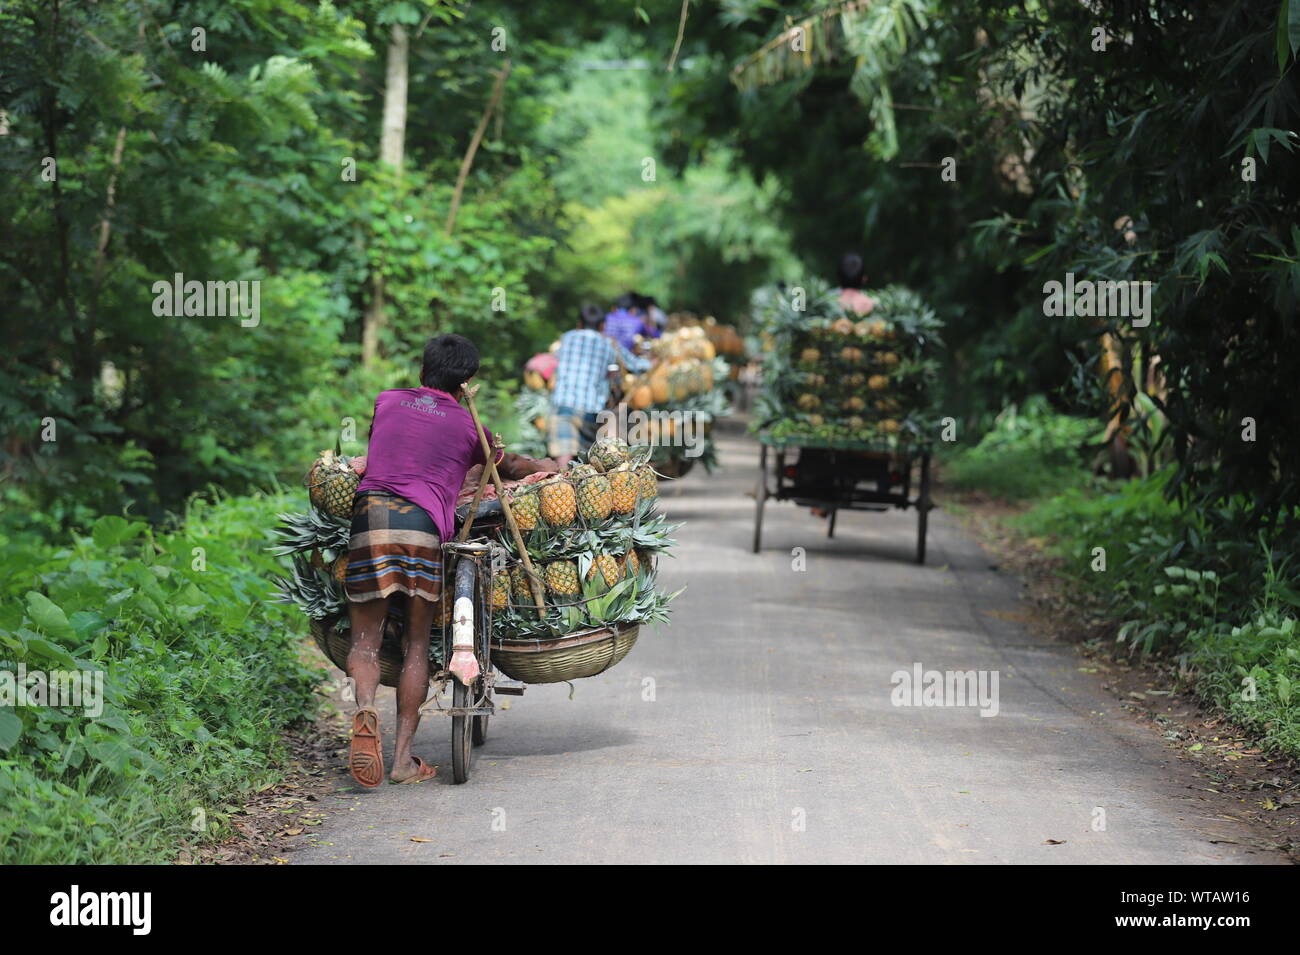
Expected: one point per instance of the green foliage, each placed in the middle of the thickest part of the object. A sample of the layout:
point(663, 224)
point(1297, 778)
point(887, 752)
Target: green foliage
point(1143, 164)
point(1182, 581)
point(1031, 451)
point(478, 282)
point(1067, 159)
point(198, 678)
point(1253, 672)
point(698, 239)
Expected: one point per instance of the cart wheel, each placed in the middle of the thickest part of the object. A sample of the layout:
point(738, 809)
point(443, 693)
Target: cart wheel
point(922, 509)
point(760, 495)
point(830, 522)
point(479, 730)
point(460, 733)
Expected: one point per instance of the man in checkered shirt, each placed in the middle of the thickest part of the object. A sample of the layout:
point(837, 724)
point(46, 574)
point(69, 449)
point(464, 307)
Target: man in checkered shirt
point(582, 383)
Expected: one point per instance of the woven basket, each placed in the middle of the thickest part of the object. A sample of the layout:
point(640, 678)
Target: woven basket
point(570, 657)
point(335, 645)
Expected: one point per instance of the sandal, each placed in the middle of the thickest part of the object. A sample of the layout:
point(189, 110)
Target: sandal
point(366, 754)
point(422, 772)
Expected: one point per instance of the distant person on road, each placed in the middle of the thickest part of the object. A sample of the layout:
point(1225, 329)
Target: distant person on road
point(852, 278)
point(582, 383)
point(627, 321)
point(656, 319)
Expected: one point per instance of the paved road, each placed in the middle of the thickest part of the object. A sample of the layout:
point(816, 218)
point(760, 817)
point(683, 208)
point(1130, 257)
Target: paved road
point(771, 736)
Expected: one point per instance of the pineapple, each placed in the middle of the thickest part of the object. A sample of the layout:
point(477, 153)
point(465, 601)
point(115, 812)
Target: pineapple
point(659, 386)
point(623, 484)
point(519, 583)
point(647, 483)
point(562, 578)
point(810, 356)
point(630, 563)
point(526, 507)
point(877, 382)
point(331, 484)
point(500, 591)
point(808, 401)
point(340, 568)
point(608, 566)
point(607, 454)
point(559, 503)
point(595, 498)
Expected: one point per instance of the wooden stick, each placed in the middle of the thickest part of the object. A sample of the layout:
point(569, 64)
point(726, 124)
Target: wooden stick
point(473, 507)
point(491, 466)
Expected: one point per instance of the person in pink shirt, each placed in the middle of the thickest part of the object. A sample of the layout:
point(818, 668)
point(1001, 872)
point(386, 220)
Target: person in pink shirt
point(422, 443)
point(852, 277)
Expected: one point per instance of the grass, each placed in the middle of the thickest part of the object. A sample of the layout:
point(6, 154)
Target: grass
point(1188, 585)
point(202, 673)
point(1029, 453)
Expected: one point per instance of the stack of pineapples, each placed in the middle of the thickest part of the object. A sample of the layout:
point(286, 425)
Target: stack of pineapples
point(317, 540)
point(593, 537)
point(831, 376)
point(684, 366)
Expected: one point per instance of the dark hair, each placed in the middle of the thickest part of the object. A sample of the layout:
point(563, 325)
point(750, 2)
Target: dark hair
point(591, 316)
point(851, 270)
point(449, 361)
point(626, 301)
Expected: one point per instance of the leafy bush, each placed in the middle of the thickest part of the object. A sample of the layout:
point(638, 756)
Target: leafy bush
point(200, 676)
point(1180, 581)
point(1253, 672)
point(1030, 451)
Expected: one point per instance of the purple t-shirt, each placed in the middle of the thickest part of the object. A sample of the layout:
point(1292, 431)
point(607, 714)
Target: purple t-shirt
point(422, 443)
point(622, 326)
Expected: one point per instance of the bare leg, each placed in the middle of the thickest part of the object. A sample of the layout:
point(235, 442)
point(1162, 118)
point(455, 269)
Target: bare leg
point(363, 656)
point(413, 686)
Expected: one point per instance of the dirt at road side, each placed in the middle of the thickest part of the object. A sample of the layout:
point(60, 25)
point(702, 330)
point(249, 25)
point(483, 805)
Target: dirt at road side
point(273, 822)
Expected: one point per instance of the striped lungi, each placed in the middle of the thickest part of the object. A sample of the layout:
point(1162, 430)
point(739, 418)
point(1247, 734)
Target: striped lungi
point(569, 432)
point(395, 548)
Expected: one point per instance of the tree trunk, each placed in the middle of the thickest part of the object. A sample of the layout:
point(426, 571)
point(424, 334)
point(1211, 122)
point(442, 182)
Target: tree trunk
point(391, 146)
point(477, 138)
